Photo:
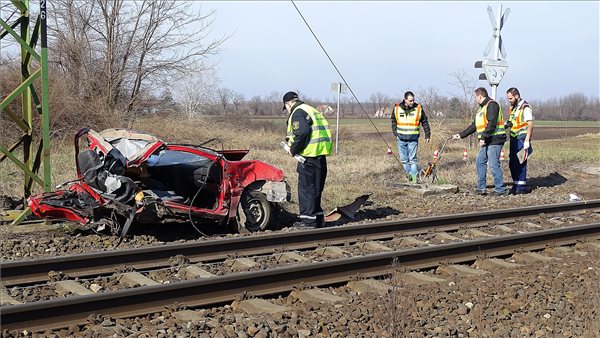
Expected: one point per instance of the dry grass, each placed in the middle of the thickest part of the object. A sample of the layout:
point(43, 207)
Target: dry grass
point(361, 166)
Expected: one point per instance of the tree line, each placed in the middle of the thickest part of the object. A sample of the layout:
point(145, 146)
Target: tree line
point(111, 60)
point(571, 107)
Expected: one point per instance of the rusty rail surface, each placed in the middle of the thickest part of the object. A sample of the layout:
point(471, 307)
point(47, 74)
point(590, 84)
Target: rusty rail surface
point(218, 290)
point(99, 263)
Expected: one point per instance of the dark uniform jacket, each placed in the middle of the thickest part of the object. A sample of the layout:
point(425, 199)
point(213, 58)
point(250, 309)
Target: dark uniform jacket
point(492, 116)
point(301, 128)
point(423, 121)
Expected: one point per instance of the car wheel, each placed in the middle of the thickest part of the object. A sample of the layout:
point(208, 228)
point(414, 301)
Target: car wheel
point(254, 212)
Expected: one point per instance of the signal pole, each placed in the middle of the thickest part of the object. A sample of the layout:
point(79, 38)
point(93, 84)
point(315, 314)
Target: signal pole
point(338, 88)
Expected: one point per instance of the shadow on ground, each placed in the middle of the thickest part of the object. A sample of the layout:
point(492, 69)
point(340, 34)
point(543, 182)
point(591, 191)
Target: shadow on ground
point(172, 232)
point(550, 180)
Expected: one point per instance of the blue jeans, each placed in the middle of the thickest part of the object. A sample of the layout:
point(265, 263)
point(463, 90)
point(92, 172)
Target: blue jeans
point(491, 154)
point(408, 156)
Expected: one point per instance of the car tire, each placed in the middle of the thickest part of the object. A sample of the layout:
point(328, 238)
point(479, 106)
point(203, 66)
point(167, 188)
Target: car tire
point(254, 212)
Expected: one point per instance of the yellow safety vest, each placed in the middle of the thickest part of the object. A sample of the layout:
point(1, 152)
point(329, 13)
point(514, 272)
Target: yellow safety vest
point(517, 117)
point(320, 136)
point(407, 121)
point(481, 121)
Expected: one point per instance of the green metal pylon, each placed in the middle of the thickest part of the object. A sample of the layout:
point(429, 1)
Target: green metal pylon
point(28, 41)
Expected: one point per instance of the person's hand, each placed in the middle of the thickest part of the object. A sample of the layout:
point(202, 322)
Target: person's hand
point(526, 145)
point(427, 140)
point(508, 124)
point(481, 143)
point(455, 137)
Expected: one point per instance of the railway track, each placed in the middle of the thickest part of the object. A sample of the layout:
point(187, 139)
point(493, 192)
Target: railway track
point(220, 289)
point(85, 265)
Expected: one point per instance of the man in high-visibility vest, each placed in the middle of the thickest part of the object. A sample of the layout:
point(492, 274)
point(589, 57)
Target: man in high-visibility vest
point(309, 136)
point(489, 125)
point(520, 124)
point(407, 118)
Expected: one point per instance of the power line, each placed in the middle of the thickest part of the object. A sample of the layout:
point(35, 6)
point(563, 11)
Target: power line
point(342, 77)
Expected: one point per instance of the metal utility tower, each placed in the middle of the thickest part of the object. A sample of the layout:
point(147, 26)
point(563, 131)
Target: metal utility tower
point(34, 73)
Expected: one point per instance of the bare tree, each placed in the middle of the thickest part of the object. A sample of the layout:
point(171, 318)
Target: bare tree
point(431, 100)
point(225, 96)
point(197, 94)
point(467, 86)
point(576, 104)
point(592, 109)
point(118, 49)
point(9, 13)
point(237, 99)
point(274, 103)
point(256, 105)
point(349, 106)
point(380, 101)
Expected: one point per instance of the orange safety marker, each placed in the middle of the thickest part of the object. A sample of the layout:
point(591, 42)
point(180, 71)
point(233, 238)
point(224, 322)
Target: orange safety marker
point(502, 155)
point(389, 151)
point(465, 154)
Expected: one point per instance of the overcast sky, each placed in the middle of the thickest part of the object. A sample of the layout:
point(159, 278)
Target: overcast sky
point(391, 46)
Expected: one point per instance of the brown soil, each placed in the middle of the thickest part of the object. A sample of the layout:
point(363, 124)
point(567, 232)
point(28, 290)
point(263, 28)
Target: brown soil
point(547, 133)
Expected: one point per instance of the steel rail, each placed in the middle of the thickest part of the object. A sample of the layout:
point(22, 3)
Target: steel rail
point(59, 313)
point(95, 264)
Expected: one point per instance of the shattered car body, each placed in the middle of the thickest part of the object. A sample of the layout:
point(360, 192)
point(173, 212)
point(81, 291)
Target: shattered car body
point(126, 176)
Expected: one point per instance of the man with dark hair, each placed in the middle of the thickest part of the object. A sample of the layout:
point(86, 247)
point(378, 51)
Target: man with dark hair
point(520, 124)
point(309, 136)
point(407, 117)
point(489, 125)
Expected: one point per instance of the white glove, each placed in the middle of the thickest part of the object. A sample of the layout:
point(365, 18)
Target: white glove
point(526, 145)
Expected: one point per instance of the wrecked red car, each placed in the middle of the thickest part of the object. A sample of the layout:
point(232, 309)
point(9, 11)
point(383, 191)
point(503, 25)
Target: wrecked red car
point(127, 177)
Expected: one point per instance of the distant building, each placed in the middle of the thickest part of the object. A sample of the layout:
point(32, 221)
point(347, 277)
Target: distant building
point(383, 113)
point(164, 106)
point(325, 109)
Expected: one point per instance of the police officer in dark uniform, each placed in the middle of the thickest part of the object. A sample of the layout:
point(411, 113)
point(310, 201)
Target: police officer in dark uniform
point(309, 136)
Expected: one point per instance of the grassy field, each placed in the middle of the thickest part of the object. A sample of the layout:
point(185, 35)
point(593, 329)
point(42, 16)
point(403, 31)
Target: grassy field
point(578, 124)
point(360, 166)
point(386, 121)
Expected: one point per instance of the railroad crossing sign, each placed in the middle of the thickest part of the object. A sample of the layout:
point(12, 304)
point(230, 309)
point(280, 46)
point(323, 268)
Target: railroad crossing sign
point(496, 39)
point(494, 67)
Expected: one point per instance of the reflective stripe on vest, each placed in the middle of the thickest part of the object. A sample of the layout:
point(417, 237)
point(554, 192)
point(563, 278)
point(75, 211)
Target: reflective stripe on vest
point(481, 121)
point(320, 135)
point(517, 118)
point(407, 121)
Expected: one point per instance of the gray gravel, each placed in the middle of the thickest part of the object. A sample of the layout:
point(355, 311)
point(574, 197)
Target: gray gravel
point(552, 299)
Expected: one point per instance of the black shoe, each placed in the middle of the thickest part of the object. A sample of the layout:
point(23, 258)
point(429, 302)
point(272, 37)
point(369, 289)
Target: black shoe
point(302, 225)
point(522, 192)
point(496, 193)
point(479, 192)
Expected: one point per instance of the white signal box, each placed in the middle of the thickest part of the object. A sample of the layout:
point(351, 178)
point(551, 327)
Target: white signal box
point(494, 70)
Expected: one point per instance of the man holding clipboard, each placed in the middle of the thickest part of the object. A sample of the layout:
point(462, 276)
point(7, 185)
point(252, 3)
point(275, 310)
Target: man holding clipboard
point(520, 124)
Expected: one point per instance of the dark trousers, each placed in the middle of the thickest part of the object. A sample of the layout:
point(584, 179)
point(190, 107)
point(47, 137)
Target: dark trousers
point(518, 171)
point(311, 181)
